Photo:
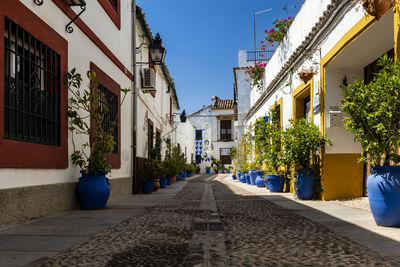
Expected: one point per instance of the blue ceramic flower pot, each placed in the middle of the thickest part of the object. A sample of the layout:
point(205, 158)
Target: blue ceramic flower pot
point(93, 191)
point(233, 177)
point(247, 176)
point(275, 183)
point(147, 186)
point(208, 171)
point(223, 171)
point(253, 177)
point(260, 182)
point(163, 182)
point(228, 171)
point(239, 175)
point(383, 186)
point(305, 184)
point(169, 181)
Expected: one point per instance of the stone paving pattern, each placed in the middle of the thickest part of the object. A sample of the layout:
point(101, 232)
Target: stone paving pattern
point(257, 233)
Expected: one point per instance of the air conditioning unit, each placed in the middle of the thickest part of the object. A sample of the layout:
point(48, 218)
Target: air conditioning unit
point(148, 81)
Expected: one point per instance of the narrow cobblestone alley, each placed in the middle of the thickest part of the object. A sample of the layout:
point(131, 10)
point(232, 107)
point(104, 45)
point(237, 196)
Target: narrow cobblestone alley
point(212, 223)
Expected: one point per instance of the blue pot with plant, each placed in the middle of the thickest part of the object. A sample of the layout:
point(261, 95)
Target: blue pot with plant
point(147, 186)
point(93, 188)
point(253, 177)
point(373, 111)
point(239, 175)
point(93, 191)
point(260, 182)
point(247, 176)
point(383, 186)
point(169, 181)
point(233, 177)
point(304, 142)
point(163, 182)
point(275, 183)
point(304, 184)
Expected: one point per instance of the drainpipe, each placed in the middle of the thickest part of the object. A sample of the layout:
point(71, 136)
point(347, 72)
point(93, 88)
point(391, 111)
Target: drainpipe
point(134, 97)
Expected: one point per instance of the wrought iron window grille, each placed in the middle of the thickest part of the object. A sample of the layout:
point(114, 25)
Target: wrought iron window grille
point(108, 102)
point(82, 5)
point(31, 88)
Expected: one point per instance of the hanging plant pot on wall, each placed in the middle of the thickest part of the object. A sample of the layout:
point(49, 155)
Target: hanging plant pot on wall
point(306, 74)
point(377, 8)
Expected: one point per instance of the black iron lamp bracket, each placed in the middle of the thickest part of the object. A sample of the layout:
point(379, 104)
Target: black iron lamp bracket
point(137, 49)
point(68, 27)
point(38, 2)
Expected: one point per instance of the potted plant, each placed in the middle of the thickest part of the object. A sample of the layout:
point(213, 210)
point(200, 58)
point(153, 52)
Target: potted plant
point(268, 142)
point(233, 155)
point(86, 117)
point(208, 168)
point(376, 8)
point(150, 172)
point(303, 143)
point(373, 115)
point(217, 165)
point(170, 165)
point(306, 74)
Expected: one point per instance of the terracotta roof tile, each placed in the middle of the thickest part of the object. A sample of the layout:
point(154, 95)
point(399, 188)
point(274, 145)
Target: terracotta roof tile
point(224, 104)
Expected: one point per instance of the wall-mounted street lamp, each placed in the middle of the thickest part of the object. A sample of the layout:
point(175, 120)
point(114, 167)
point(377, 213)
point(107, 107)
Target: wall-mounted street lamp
point(183, 116)
point(80, 3)
point(156, 50)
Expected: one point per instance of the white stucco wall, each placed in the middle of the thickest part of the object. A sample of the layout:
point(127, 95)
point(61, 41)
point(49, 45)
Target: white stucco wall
point(82, 51)
point(185, 136)
point(207, 121)
point(351, 62)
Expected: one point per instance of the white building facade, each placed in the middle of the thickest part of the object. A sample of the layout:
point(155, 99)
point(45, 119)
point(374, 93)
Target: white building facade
point(214, 132)
point(37, 48)
point(338, 42)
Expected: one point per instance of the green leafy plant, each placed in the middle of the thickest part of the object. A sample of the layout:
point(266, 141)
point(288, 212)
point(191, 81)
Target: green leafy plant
point(86, 118)
point(374, 113)
point(170, 163)
point(154, 167)
point(303, 143)
point(233, 155)
point(268, 144)
point(216, 164)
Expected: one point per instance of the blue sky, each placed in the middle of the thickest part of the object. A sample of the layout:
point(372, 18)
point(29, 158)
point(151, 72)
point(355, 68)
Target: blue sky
point(202, 38)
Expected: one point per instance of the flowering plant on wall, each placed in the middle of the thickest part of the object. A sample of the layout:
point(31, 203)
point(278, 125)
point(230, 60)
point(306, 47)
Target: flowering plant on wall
point(277, 33)
point(256, 73)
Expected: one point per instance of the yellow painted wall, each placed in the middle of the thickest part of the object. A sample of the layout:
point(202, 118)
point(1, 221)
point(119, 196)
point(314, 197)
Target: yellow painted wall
point(343, 176)
point(397, 30)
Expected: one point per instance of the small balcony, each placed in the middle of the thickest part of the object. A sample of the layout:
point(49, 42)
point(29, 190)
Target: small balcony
point(259, 55)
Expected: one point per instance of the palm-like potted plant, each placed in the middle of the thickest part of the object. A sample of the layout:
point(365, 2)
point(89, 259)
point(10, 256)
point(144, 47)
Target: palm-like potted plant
point(216, 164)
point(373, 116)
point(86, 116)
point(303, 143)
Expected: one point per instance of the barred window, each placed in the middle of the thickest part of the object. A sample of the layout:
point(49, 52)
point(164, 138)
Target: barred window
point(114, 3)
point(110, 123)
point(31, 88)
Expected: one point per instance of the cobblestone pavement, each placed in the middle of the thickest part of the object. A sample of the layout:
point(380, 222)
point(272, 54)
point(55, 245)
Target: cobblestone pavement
point(261, 233)
point(240, 229)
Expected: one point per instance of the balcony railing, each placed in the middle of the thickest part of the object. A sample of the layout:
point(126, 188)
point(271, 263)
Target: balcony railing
point(259, 55)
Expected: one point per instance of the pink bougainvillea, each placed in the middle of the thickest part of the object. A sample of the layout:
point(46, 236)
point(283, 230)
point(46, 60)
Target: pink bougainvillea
point(256, 73)
point(276, 34)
